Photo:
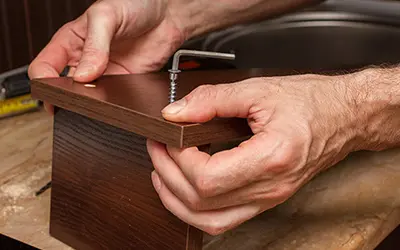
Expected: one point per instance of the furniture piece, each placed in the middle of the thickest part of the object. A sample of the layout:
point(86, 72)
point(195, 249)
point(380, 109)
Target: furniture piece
point(102, 194)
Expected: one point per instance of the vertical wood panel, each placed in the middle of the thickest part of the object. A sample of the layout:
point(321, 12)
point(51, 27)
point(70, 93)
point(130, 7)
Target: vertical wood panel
point(39, 24)
point(59, 14)
point(5, 62)
point(47, 16)
point(26, 26)
point(17, 32)
point(14, 34)
point(110, 203)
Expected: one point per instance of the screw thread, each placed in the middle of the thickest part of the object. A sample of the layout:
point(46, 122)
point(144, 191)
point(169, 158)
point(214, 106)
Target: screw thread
point(172, 91)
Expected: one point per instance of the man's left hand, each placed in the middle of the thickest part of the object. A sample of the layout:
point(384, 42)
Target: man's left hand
point(301, 124)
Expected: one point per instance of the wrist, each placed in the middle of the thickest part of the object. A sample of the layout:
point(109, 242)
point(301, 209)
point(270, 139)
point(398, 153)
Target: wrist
point(197, 17)
point(374, 96)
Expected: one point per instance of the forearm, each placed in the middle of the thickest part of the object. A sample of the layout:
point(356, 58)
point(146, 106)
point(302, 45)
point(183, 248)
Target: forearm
point(376, 98)
point(197, 17)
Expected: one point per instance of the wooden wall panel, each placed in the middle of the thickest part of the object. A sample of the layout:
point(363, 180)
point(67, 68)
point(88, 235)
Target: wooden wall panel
point(47, 16)
point(17, 33)
point(4, 59)
point(40, 23)
point(26, 26)
point(14, 34)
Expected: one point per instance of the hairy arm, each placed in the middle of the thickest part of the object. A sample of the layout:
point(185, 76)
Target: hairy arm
point(376, 97)
point(197, 17)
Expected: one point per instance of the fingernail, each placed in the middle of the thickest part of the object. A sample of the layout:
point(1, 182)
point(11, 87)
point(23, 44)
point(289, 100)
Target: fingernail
point(175, 107)
point(83, 71)
point(156, 181)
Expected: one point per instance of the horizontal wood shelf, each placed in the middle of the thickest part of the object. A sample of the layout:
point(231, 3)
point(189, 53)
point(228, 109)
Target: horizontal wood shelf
point(134, 103)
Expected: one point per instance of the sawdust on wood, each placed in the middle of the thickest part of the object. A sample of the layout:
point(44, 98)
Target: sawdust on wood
point(10, 210)
point(11, 193)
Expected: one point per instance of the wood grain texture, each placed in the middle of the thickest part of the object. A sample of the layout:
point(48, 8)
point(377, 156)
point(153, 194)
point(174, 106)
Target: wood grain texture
point(14, 34)
point(46, 17)
point(102, 195)
point(134, 103)
point(4, 58)
point(41, 23)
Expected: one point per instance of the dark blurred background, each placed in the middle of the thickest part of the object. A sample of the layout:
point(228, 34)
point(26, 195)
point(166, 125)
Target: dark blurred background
point(26, 26)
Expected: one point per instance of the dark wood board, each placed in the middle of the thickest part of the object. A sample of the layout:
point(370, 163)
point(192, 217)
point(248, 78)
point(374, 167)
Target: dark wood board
point(102, 196)
point(40, 24)
point(5, 55)
point(134, 103)
point(14, 34)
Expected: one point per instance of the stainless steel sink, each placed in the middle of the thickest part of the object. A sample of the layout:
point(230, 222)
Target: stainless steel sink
point(341, 34)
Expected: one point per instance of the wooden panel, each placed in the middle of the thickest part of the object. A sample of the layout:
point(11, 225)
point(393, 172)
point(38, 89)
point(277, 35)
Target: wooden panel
point(26, 26)
point(60, 13)
point(14, 34)
point(47, 16)
point(5, 63)
point(134, 103)
point(102, 195)
point(63, 11)
point(40, 24)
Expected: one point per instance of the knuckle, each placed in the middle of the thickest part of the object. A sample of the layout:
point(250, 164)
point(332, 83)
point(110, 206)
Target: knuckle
point(101, 8)
point(215, 228)
point(283, 193)
point(194, 203)
point(281, 161)
point(92, 54)
point(206, 91)
point(205, 187)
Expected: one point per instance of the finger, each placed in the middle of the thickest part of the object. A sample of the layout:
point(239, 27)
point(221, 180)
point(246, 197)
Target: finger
point(213, 222)
point(208, 101)
point(51, 61)
point(230, 169)
point(115, 69)
point(172, 175)
point(49, 108)
point(102, 24)
point(269, 191)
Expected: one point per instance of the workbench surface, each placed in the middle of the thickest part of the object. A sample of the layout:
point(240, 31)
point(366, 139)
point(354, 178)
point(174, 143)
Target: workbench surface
point(353, 205)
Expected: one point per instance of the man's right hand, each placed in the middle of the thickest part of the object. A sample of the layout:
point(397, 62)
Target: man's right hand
point(111, 37)
point(139, 36)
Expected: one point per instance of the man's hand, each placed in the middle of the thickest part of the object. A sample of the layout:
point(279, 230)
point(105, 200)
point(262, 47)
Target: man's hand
point(112, 37)
point(131, 36)
point(301, 124)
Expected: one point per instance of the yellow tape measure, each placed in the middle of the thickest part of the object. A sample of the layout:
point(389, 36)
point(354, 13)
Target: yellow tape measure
point(17, 105)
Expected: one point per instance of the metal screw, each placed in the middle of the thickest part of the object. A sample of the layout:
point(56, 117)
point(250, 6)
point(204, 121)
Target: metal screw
point(173, 73)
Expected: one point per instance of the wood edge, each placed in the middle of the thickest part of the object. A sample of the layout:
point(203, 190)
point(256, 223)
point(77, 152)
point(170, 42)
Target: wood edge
point(194, 238)
point(238, 129)
point(37, 93)
point(182, 136)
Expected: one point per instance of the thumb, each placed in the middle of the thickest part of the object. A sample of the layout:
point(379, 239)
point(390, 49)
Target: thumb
point(209, 101)
point(101, 27)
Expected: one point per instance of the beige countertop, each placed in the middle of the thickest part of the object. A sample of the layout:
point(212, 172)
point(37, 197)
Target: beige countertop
point(353, 205)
